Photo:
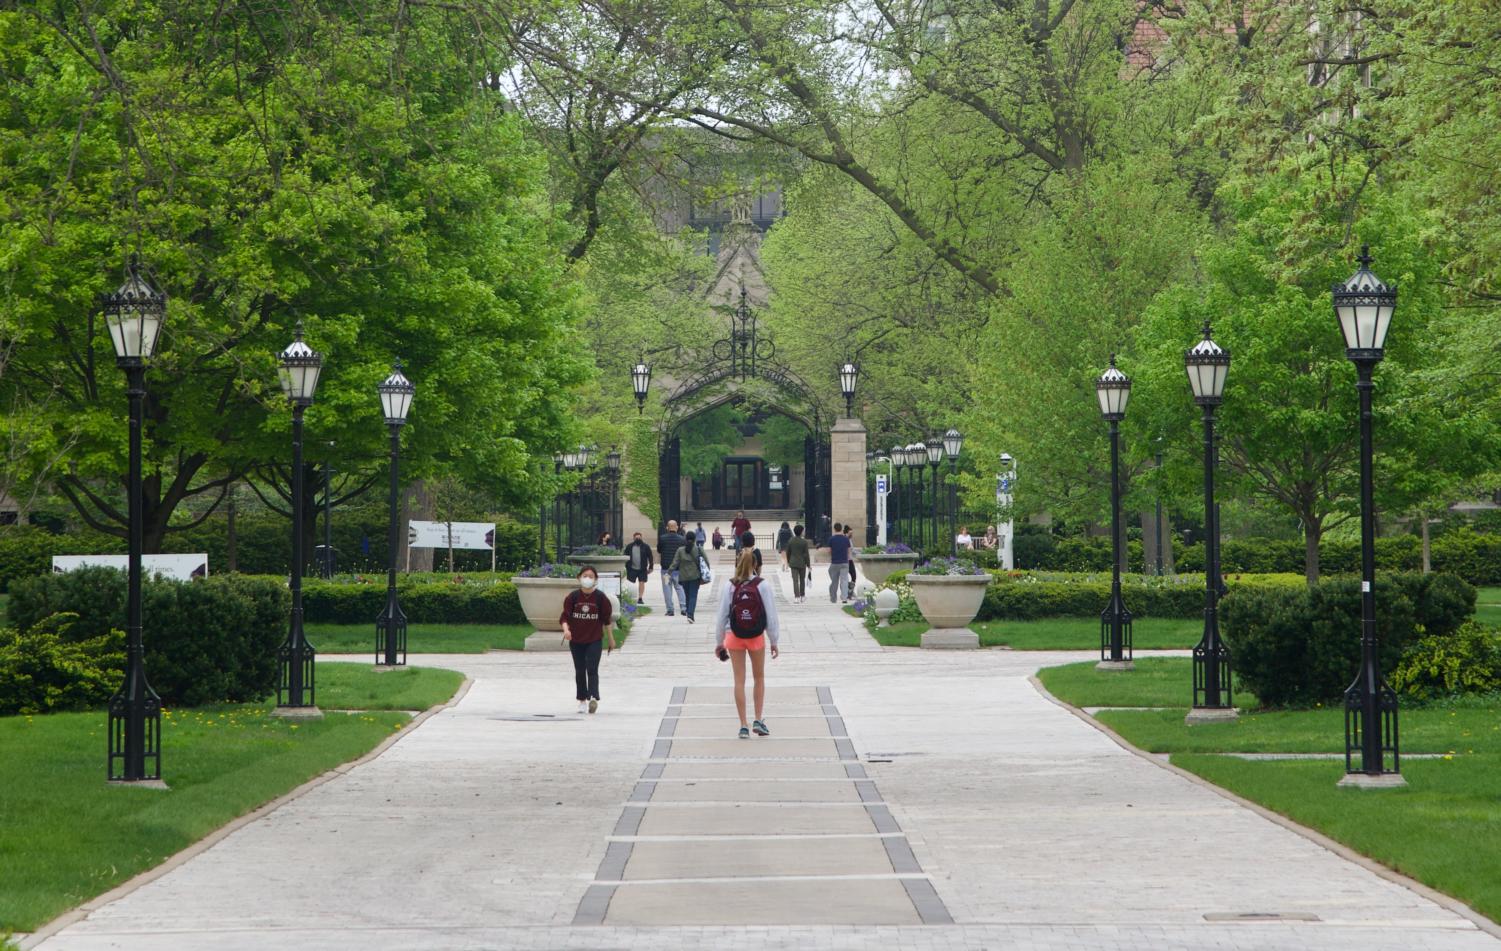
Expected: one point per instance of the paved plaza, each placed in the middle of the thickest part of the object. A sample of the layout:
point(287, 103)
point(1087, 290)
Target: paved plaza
point(906, 799)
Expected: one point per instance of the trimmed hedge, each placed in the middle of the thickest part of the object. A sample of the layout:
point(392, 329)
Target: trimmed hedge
point(1026, 597)
point(207, 641)
point(41, 671)
point(1301, 645)
point(26, 550)
point(490, 600)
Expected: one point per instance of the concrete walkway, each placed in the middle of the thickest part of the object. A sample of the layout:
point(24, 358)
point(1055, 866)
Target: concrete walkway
point(900, 790)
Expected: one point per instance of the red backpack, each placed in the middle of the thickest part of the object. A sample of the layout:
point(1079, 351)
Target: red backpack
point(747, 610)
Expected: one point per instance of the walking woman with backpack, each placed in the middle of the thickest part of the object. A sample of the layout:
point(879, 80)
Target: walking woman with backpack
point(689, 564)
point(745, 626)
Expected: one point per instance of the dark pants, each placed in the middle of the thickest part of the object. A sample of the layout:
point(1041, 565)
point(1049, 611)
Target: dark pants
point(586, 669)
point(799, 581)
point(690, 596)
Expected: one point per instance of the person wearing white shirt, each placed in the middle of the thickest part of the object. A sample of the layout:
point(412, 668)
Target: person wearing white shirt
point(749, 642)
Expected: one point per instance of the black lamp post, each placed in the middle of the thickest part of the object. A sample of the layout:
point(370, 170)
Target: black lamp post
point(295, 696)
point(396, 393)
point(134, 315)
point(1207, 366)
point(558, 459)
point(1364, 306)
point(612, 470)
point(1114, 389)
point(934, 449)
point(898, 463)
point(849, 374)
point(917, 457)
point(953, 443)
point(640, 382)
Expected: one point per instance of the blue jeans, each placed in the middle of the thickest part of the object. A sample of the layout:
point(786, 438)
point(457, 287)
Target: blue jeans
point(669, 585)
point(690, 593)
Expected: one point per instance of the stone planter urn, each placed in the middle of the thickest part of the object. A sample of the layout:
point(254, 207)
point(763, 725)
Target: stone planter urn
point(542, 603)
point(949, 603)
point(877, 568)
point(886, 604)
point(604, 564)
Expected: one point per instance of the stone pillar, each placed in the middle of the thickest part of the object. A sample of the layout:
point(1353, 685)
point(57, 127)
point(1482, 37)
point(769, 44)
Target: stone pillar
point(847, 475)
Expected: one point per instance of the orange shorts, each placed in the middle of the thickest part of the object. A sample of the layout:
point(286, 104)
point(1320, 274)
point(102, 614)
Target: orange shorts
point(733, 643)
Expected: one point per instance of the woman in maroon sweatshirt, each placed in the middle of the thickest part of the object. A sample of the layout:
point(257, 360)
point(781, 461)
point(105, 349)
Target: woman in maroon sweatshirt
point(587, 620)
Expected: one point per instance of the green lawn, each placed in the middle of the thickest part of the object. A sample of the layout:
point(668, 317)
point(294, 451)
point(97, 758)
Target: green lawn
point(1488, 606)
point(1444, 829)
point(1156, 682)
point(68, 836)
point(1057, 633)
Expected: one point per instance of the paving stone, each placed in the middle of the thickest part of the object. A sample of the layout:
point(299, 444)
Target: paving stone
point(721, 727)
point(769, 747)
point(815, 902)
point(741, 790)
point(757, 857)
point(754, 769)
point(733, 819)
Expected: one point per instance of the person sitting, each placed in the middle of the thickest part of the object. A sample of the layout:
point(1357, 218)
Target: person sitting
point(963, 539)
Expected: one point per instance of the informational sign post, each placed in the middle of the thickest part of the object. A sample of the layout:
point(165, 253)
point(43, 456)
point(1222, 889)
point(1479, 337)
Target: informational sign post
point(881, 490)
point(179, 567)
point(470, 536)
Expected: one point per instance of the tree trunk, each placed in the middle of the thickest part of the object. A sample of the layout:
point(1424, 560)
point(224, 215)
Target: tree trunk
point(1427, 543)
point(1149, 542)
point(1169, 566)
point(419, 505)
point(231, 536)
point(1312, 532)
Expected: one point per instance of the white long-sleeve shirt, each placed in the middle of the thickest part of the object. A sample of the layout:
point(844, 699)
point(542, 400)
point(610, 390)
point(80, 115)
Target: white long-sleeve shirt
point(722, 614)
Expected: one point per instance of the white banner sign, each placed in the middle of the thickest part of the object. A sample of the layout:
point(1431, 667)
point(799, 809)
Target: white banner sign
point(181, 567)
point(476, 535)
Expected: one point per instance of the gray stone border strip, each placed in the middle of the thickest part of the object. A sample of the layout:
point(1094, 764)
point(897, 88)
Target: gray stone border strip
point(845, 748)
point(1318, 838)
point(930, 908)
point(594, 905)
point(668, 728)
point(825, 695)
point(642, 792)
point(836, 727)
point(679, 695)
point(82, 911)
point(855, 771)
point(629, 822)
point(612, 867)
point(867, 790)
point(653, 770)
point(899, 851)
point(882, 819)
point(661, 749)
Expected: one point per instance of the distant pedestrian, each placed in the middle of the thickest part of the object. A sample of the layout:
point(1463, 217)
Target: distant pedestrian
point(839, 563)
point(606, 540)
point(587, 620)
point(638, 564)
point(718, 539)
point(745, 625)
point(784, 535)
point(699, 535)
point(748, 543)
point(689, 565)
point(668, 544)
point(800, 560)
point(739, 527)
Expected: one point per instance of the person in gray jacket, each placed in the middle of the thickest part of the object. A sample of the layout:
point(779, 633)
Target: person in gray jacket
point(668, 544)
point(690, 573)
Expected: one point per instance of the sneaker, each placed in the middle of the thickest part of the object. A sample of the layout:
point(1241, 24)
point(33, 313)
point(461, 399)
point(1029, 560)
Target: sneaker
point(760, 728)
point(669, 614)
point(594, 705)
point(690, 619)
point(583, 707)
point(745, 733)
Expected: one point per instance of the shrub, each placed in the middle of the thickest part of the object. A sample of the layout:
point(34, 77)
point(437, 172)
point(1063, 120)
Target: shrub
point(425, 599)
point(41, 671)
point(1302, 645)
point(1475, 558)
point(209, 640)
point(1466, 661)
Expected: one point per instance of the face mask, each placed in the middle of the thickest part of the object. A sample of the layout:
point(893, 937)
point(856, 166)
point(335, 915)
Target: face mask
point(587, 583)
